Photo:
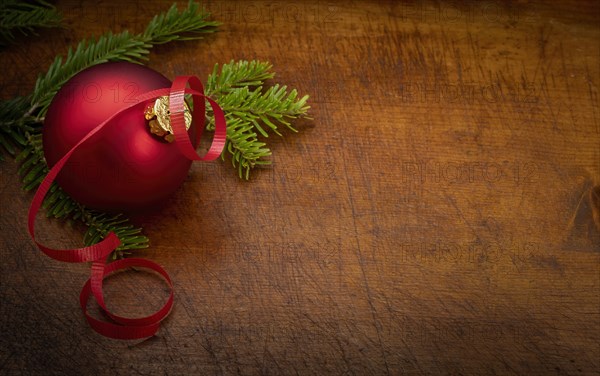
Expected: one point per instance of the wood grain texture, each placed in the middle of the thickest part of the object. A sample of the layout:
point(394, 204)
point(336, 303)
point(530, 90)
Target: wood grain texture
point(439, 215)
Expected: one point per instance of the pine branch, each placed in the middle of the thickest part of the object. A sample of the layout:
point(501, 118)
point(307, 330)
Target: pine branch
point(14, 125)
point(274, 106)
point(187, 24)
point(238, 90)
point(244, 147)
point(100, 224)
point(21, 118)
point(17, 16)
point(237, 75)
point(108, 47)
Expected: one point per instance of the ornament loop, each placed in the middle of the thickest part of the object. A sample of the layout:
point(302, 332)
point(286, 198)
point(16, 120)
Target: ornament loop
point(159, 118)
point(177, 105)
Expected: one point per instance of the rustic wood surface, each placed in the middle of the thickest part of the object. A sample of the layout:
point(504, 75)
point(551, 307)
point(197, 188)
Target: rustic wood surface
point(439, 215)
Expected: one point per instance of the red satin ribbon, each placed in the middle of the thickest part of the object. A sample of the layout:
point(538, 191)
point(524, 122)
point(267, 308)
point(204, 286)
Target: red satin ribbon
point(128, 328)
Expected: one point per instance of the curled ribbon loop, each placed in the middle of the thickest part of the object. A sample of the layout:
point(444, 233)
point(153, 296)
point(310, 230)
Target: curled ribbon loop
point(128, 328)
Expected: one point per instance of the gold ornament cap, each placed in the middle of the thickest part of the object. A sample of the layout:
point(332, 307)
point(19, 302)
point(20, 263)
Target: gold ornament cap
point(159, 118)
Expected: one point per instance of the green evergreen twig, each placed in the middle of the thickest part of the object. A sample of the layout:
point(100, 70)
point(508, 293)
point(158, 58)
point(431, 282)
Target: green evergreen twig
point(25, 18)
point(238, 89)
point(187, 24)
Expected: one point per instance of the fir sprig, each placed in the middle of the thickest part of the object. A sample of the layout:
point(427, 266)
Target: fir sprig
point(249, 109)
point(108, 47)
point(275, 105)
point(14, 124)
point(235, 75)
point(173, 25)
point(25, 18)
point(190, 23)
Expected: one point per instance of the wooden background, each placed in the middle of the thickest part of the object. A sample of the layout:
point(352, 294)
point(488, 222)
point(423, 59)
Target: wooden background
point(439, 215)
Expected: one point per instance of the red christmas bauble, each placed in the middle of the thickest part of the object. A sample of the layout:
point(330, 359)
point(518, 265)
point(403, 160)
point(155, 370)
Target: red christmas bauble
point(123, 167)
